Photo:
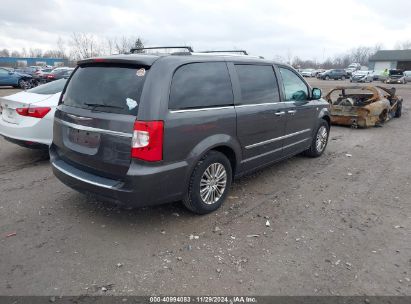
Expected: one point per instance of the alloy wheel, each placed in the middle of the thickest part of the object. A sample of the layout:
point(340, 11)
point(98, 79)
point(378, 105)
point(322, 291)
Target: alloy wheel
point(213, 183)
point(322, 136)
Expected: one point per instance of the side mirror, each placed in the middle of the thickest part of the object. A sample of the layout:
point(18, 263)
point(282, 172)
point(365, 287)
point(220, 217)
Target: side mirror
point(316, 93)
point(11, 73)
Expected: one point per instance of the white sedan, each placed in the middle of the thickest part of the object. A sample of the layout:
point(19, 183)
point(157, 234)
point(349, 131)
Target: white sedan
point(26, 118)
point(308, 73)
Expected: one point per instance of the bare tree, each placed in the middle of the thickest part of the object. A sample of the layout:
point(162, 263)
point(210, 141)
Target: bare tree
point(61, 48)
point(53, 54)
point(15, 54)
point(24, 53)
point(84, 45)
point(124, 44)
point(404, 45)
point(35, 53)
point(4, 53)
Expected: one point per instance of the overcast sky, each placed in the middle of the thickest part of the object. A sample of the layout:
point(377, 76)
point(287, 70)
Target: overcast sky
point(313, 29)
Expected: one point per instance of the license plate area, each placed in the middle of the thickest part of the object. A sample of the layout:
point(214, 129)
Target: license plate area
point(8, 114)
point(84, 138)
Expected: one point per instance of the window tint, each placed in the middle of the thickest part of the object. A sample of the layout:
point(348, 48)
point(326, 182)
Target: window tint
point(3, 72)
point(258, 84)
point(199, 85)
point(294, 87)
point(49, 88)
point(106, 88)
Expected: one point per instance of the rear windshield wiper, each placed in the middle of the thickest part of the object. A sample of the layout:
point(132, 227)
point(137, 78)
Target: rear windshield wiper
point(95, 105)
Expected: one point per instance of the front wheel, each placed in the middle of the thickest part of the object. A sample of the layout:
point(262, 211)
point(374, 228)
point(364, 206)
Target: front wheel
point(342, 77)
point(319, 141)
point(209, 183)
point(327, 77)
point(22, 84)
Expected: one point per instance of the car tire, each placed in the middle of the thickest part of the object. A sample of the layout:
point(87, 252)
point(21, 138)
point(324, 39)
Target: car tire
point(207, 194)
point(342, 77)
point(398, 111)
point(22, 84)
point(327, 78)
point(319, 141)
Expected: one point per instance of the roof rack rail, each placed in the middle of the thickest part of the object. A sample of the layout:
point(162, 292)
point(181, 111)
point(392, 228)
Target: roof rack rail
point(243, 52)
point(188, 48)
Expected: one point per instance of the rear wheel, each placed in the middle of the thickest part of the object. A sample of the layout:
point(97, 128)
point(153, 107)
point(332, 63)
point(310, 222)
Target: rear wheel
point(342, 77)
point(209, 183)
point(319, 141)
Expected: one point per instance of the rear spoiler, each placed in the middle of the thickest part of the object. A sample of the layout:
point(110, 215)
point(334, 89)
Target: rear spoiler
point(131, 61)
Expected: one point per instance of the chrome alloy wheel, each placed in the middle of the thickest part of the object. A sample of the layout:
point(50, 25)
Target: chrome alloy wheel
point(322, 136)
point(213, 183)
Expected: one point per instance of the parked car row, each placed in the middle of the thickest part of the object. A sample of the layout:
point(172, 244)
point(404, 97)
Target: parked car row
point(9, 77)
point(333, 74)
point(30, 77)
point(148, 129)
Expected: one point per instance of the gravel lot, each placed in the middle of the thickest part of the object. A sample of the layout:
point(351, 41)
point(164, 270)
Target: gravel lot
point(338, 226)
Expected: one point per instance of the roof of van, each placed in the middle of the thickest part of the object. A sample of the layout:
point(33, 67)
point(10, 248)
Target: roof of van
point(148, 60)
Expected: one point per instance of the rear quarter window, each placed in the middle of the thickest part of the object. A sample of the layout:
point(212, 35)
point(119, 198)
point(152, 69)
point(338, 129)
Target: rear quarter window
point(106, 88)
point(201, 85)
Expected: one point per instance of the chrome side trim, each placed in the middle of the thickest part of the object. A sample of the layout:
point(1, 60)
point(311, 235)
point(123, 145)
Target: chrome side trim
point(263, 104)
point(276, 150)
point(230, 107)
point(80, 178)
point(276, 139)
point(91, 129)
point(256, 105)
point(201, 109)
point(297, 142)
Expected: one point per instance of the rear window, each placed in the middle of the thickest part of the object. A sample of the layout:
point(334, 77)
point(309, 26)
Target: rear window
point(106, 88)
point(49, 88)
point(201, 85)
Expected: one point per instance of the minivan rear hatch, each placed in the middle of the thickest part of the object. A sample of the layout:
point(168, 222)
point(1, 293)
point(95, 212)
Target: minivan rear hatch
point(94, 123)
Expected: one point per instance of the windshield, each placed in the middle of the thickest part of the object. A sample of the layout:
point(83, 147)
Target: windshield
point(361, 73)
point(396, 73)
point(106, 88)
point(49, 88)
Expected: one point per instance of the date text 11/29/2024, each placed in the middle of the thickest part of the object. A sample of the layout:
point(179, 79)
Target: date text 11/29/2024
point(202, 299)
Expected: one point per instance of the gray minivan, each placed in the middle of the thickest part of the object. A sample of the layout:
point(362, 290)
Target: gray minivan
point(147, 129)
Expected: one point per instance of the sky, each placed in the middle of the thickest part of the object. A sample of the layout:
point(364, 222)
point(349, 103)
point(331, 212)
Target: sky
point(312, 29)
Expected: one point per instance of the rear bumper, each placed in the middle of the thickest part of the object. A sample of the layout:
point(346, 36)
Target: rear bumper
point(27, 143)
point(143, 185)
point(39, 132)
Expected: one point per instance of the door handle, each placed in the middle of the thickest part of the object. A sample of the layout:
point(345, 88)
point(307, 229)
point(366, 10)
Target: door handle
point(292, 112)
point(279, 113)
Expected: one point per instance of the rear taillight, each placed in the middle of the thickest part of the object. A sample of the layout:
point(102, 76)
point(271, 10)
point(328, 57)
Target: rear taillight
point(50, 76)
point(36, 112)
point(147, 141)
